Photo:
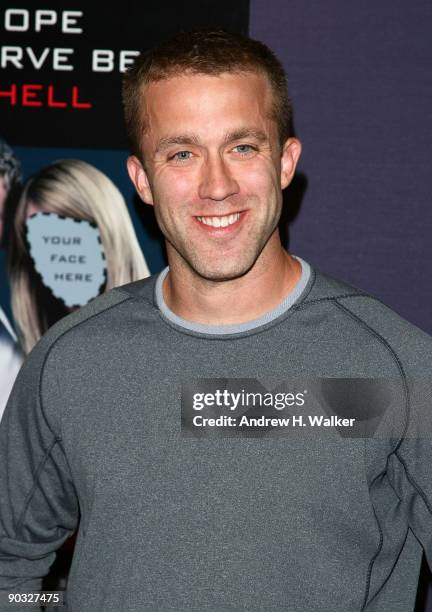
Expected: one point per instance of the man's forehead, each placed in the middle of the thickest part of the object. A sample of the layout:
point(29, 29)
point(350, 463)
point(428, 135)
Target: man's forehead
point(177, 90)
point(181, 107)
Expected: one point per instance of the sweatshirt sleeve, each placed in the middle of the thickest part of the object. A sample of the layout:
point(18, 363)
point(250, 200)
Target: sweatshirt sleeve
point(38, 503)
point(410, 467)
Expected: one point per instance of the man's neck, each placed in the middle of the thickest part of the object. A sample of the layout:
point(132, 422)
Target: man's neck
point(235, 301)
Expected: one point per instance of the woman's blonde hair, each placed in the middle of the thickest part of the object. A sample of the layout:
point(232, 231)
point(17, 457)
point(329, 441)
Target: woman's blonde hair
point(71, 188)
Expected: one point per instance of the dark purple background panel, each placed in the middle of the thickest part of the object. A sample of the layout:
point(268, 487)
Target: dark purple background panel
point(360, 80)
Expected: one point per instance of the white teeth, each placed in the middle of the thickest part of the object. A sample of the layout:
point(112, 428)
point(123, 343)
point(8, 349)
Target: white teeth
point(219, 221)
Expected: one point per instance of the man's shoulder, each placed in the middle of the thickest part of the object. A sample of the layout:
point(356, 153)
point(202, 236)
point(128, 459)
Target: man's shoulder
point(372, 315)
point(83, 341)
point(323, 287)
point(99, 315)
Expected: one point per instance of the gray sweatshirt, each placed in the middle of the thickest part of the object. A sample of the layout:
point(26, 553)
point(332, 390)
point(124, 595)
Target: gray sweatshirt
point(92, 440)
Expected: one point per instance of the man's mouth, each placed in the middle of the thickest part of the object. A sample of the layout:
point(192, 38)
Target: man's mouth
point(220, 221)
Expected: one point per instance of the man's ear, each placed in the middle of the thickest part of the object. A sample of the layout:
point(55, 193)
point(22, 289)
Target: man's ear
point(290, 156)
point(139, 178)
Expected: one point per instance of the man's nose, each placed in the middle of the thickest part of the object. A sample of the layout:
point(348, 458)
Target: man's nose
point(217, 182)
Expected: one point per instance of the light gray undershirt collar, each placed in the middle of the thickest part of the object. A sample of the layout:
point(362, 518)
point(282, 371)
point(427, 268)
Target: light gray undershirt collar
point(282, 307)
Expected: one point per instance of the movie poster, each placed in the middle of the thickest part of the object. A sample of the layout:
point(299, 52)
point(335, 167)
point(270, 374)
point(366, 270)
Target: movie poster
point(71, 226)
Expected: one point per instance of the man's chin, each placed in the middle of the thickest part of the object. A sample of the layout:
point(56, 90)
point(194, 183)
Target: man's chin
point(221, 273)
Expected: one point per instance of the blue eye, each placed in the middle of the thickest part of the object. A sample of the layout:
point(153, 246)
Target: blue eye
point(182, 156)
point(243, 149)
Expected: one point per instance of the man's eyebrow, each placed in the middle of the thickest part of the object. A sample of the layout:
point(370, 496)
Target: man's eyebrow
point(258, 135)
point(190, 139)
point(180, 139)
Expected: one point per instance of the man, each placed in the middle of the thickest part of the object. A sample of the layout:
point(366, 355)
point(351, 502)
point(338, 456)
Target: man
point(10, 359)
point(10, 354)
point(173, 517)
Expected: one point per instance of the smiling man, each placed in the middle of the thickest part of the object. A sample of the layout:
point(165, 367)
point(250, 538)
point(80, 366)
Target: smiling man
point(168, 419)
point(213, 159)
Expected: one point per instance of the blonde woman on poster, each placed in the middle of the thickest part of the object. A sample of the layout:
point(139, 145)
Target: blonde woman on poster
point(73, 239)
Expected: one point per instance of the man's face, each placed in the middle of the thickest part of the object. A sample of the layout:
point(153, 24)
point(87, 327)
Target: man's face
point(214, 170)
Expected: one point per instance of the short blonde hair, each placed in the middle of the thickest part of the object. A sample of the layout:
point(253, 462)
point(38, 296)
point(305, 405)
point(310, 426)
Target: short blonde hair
point(71, 188)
